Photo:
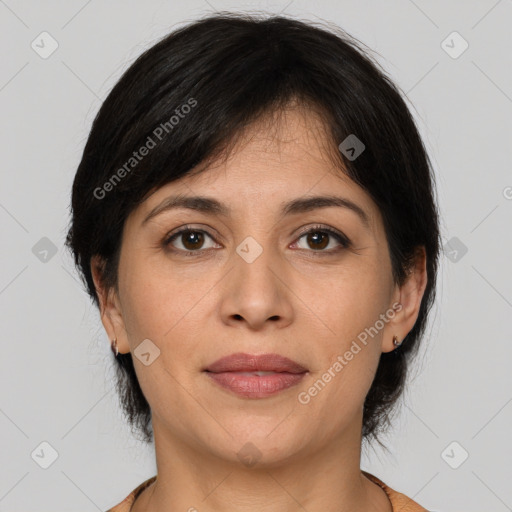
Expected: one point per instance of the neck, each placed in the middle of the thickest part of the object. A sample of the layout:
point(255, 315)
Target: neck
point(326, 479)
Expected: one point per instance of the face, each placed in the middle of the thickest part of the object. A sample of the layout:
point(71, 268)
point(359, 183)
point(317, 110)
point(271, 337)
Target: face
point(312, 284)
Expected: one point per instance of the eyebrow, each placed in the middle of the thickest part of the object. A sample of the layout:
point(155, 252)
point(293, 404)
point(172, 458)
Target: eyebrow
point(211, 206)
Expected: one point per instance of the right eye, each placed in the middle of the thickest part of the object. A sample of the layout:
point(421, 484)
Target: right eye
point(190, 238)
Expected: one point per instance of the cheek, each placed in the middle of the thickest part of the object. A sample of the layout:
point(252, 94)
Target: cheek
point(145, 314)
point(164, 306)
point(347, 305)
point(157, 308)
point(151, 300)
point(348, 333)
point(336, 391)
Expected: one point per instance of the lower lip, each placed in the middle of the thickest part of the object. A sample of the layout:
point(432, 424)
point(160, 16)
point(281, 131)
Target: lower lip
point(256, 386)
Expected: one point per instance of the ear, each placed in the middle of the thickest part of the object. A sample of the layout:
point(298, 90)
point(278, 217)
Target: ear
point(110, 307)
point(409, 296)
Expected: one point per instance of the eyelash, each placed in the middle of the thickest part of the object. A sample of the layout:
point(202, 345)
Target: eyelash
point(342, 239)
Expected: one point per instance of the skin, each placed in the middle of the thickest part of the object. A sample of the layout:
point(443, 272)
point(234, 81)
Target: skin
point(294, 299)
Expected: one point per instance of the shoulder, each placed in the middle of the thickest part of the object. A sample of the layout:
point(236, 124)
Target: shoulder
point(399, 501)
point(125, 505)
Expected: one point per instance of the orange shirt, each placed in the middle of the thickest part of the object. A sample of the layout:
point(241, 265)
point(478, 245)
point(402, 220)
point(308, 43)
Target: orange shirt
point(399, 502)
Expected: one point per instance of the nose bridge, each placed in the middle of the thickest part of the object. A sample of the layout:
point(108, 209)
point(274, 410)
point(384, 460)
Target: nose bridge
point(254, 262)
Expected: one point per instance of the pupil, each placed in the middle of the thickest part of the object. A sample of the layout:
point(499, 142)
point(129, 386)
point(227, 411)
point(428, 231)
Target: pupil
point(190, 238)
point(315, 237)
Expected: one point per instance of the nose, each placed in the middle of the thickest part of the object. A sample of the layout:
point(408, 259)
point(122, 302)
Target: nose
point(256, 293)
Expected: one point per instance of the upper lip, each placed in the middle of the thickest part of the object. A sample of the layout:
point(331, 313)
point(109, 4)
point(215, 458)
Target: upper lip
point(240, 362)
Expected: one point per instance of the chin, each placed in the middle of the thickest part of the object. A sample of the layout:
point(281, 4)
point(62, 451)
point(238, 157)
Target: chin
point(262, 446)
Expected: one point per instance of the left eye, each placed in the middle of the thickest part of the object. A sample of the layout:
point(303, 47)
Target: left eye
point(319, 237)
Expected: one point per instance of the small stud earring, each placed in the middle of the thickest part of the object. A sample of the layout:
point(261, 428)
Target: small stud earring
point(113, 346)
point(396, 342)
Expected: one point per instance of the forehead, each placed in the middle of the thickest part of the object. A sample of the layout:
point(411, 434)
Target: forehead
point(284, 155)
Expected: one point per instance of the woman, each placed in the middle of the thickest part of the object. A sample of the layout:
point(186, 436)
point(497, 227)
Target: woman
point(254, 216)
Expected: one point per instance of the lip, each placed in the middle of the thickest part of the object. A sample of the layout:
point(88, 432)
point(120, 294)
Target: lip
point(240, 362)
point(237, 373)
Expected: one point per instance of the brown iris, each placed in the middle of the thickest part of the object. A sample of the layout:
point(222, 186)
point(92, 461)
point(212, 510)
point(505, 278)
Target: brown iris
point(194, 238)
point(315, 237)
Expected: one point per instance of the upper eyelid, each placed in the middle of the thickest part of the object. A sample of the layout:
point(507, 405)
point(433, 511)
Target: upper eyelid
point(187, 227)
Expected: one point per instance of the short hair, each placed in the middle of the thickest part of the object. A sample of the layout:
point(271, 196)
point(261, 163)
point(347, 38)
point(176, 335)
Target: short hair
point(196, 91)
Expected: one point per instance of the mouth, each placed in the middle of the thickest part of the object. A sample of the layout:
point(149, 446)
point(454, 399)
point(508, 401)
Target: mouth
point(255, 376)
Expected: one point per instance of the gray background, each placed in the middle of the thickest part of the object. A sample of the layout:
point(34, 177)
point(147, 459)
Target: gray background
point(56, 363)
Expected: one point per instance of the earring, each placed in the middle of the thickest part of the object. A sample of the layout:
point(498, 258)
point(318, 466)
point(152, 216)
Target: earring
point(396, 342)
point(113, 346)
